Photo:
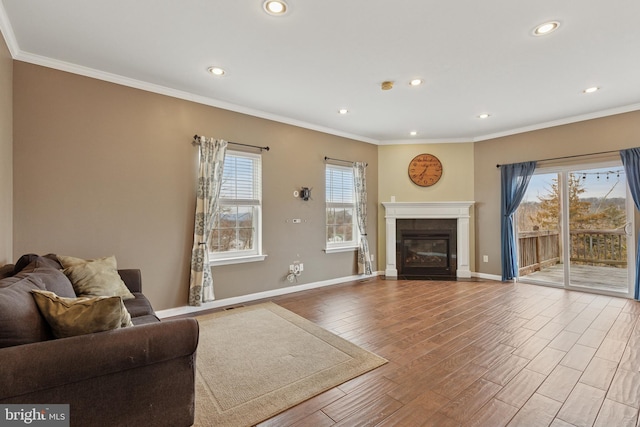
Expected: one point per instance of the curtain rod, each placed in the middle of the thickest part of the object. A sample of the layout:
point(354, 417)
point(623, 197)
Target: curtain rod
point(572, 157)
point(196, 139)
point(340, 160)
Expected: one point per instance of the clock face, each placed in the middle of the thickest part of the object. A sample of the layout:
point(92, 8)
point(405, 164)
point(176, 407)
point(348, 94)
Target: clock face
point(425, 170)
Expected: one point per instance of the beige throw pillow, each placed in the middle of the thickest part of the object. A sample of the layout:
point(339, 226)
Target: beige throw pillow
point(69, 317)
point(95, 277)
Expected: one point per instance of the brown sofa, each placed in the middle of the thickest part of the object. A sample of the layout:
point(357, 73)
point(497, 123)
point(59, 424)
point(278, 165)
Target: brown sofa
point(133, 376)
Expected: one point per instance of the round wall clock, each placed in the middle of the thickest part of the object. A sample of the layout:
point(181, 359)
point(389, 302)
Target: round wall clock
point(425, 170)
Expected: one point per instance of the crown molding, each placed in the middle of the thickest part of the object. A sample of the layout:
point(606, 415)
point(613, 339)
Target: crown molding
point(561, 122)
point(7, 32)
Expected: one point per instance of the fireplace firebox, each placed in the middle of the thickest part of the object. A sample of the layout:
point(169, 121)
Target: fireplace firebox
point(426, 249)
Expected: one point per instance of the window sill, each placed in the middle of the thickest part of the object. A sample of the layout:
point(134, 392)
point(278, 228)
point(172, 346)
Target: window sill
point(342, 249)
point(236, 260)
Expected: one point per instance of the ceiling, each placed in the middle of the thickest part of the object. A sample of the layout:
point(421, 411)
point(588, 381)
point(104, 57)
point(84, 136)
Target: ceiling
point(301, 68)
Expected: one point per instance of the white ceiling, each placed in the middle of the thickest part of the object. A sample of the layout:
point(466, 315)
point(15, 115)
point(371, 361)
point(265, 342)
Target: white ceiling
point(474, 56)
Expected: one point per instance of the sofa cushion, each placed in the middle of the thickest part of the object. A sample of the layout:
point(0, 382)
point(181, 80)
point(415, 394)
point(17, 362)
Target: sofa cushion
point(95, 277)
point(20, 319)
point(139, 306)
point(84, 315)
point(6, 271)
point(34, 260)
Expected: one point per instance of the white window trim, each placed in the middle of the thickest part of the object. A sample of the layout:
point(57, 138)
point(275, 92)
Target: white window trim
point(256, 254)
point(346, 246)
point(237, 260)
point(334, 250)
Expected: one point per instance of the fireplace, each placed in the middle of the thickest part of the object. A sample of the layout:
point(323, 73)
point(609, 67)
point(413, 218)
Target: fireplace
point(426, 249)
point(452, 237)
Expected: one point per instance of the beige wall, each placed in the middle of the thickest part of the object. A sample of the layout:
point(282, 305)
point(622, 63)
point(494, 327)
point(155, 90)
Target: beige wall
point(593, 136)
point(6, 154)
point(104, 169)
point(456, 183)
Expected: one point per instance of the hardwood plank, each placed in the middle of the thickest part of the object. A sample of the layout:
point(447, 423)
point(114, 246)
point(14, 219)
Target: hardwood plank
point(531, 347)
point(611, 349)
point(565, 340)
point(616, 414)
point(317, 419)
point(303, 410)
point(578, 357)
point(625, 388)
point(503, 373)
point(521, 388)
point(496, 413)
point(546, 360)
point(412, 414)
point(372, 413)
point(582, 405)
point(592, 337)
point(560, 383)
point(452, 385)
point(358, 398)
point(599, 373)
point(539, 411)
point(468, 402)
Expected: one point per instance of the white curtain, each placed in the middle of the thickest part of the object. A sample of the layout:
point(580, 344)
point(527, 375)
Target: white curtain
point(211, 162)
point(360, 185)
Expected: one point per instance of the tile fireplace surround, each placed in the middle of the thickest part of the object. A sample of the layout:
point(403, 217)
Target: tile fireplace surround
point(429, 210)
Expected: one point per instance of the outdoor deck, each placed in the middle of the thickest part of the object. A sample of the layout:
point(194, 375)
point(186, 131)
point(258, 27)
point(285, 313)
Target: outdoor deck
point(592, 277)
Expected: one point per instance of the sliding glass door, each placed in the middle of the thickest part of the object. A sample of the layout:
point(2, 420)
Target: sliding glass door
point(574, 229)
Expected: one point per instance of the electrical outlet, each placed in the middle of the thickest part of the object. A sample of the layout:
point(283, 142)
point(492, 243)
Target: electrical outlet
point(373, 257)
point(485, 258)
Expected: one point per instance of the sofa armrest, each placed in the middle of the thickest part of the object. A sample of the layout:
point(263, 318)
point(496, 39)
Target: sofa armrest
point(132, 277)
point(30, 368)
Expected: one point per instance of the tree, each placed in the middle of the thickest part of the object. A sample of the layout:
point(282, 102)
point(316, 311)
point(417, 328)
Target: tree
point(581, 214)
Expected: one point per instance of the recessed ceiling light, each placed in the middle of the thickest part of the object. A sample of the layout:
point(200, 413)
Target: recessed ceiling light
point(216, 71)
point(591, 89)
point(413, 133)
point(415, 82)
point(343, 111)
point(484, 116)
point(275, 7)
point(546, 28)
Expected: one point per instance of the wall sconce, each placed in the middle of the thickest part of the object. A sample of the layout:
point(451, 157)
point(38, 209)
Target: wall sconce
point(305, 193)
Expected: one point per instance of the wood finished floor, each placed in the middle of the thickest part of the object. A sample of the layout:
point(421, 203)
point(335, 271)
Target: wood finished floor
point(479, 353)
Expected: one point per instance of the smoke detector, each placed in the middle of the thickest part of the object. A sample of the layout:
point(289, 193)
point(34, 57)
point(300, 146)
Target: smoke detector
point(387, 85)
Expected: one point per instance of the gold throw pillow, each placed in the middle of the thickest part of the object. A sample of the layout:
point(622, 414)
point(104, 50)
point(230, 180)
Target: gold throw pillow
point(69, 317)
point(95, 277)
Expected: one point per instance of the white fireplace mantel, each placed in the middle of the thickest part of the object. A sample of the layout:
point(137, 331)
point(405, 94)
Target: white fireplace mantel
point(429, 210)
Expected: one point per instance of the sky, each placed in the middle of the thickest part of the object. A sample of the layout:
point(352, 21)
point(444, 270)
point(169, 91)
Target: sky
point(596, 183)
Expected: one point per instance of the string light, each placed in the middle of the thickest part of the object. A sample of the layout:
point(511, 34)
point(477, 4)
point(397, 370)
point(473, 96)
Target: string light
point(597, 174)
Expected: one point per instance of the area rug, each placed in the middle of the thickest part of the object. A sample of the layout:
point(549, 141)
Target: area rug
point(257, 361)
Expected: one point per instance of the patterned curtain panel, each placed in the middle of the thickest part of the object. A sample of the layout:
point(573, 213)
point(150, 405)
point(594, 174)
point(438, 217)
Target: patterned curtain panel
point(212, 152)
point(360, 185)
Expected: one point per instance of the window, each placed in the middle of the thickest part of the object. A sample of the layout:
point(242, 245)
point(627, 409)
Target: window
point(236, 234)
point(342, 232)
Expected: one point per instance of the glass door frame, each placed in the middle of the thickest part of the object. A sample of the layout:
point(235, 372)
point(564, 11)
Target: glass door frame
point(563, 185)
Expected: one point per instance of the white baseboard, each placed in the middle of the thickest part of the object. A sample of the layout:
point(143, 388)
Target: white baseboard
point(487, 276)
point(178, 311)
point(170, 312)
